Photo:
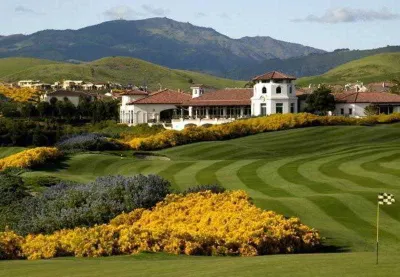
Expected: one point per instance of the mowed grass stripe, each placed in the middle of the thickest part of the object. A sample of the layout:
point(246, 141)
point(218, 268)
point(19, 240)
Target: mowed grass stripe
point(186, 177)
point(377, 165)
point(332, 230)
point(331, 169)
point(298, 171)
point(248, 176)
point(174, 168)
point(364, 209)
point(208, 175)
point(391, 211)
point(269, 173)
point(341, 213)
point(354, 167)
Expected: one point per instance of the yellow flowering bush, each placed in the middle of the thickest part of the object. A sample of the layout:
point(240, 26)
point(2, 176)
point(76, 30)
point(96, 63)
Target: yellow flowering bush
point(10, 245)
point(200, 223)
point(247, 127)
point(30, 157)
point(19, 94)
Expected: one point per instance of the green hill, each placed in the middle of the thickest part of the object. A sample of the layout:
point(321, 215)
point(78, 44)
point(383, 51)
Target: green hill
point(114, 69)
point(376, 68)
point(10, 66)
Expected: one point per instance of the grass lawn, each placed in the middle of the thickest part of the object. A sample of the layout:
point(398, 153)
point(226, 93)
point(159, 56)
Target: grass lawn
point(7, 151)
point(327, 176)
point(345, 264)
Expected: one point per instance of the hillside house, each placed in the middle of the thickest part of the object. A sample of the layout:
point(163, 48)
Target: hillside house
point(72, 85)
point(28, 83)
point(73, 96)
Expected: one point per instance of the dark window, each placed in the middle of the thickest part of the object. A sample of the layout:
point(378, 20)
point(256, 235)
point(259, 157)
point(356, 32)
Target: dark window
point(264, 90)
point(342, 111)
point(350, 111)
point(279, 107)
point(247, 111)
point(263, 109)
point(278, 90)
point(291, 107)
point(290, 90)
point(386, 109)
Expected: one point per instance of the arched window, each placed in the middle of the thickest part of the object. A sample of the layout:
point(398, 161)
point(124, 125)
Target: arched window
point(278, 90)
point(264, 90)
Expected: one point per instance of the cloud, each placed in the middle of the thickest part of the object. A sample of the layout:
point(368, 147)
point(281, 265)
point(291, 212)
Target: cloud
point(122, 12)
point(224, 16)
point(22, 9)
point(155, 11)
point(347, 15)
point(200, 14)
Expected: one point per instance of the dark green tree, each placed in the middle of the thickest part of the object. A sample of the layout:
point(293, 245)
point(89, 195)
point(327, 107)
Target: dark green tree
point(320, 101)
point(44, 109)
point(396, 87)
point(28, 110)
point(39, 138)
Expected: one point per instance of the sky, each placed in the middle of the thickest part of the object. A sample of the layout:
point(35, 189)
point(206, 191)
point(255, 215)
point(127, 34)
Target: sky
point(324, 24)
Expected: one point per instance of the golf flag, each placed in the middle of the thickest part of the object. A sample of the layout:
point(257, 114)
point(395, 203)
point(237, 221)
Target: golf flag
point(383, 199)
point(386, 199)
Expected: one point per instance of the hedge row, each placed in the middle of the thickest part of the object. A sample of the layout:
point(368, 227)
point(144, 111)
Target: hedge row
point(241, 128)
point(29, 158)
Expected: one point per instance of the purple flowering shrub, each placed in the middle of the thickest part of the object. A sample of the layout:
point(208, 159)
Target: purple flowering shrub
point(87, 142)
point(68, 205)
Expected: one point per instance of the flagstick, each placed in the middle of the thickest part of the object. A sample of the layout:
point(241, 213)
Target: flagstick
point(377, 235)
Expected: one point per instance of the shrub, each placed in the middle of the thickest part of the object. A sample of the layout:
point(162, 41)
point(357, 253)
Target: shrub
point(201, 223)
point(214, 188)
point(241, 128)
point(12, 189)
point(69, 205)
point(10, 245)
point(87, 142)
point(30, 158)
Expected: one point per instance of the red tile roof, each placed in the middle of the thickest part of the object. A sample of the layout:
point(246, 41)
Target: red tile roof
point(135, 92)
point(224, 97)
point(274, 75)
point(68, 93)
point(367, 97)
point(166, 96)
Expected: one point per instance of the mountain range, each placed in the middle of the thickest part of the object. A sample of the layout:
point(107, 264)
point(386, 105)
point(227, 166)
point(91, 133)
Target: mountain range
point(158, 40)
point(180, 45)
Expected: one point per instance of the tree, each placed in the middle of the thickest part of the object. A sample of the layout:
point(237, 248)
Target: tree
point(320, 101)
point(38, 138)
point(371, 110)
point(396, 88)
point(44, 109)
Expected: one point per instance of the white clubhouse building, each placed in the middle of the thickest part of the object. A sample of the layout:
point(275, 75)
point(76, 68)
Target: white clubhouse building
point(272, 93)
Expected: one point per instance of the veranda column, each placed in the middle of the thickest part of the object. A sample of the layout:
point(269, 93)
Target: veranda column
point(241, 111)
point(225, 111)
point(190, 112)
point(207, 112)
